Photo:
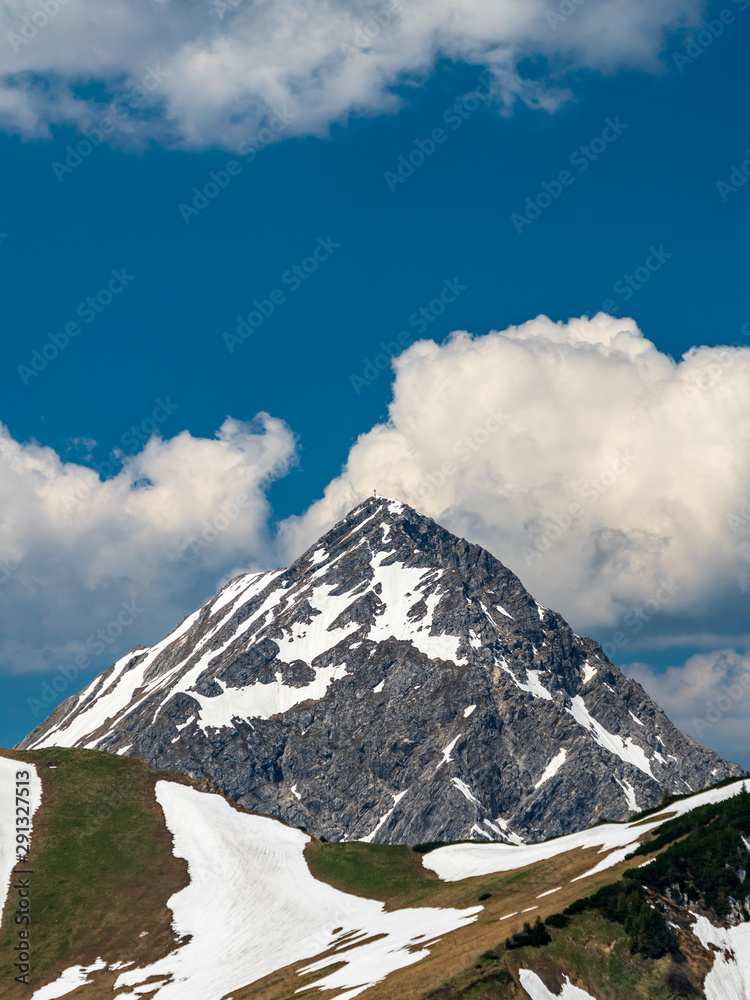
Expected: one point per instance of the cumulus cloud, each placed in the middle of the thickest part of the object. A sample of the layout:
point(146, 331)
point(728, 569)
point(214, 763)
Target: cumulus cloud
point(89, 568)
point(707, 697)
point(613, 479)
point(212, 72)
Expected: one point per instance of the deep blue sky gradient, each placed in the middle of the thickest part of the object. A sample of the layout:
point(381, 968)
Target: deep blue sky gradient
point(162, 337)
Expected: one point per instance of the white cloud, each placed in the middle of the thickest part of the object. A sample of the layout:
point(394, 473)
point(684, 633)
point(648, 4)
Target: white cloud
point(708, 697)
point(74, 549)
point(222, 65)
point(596, 467)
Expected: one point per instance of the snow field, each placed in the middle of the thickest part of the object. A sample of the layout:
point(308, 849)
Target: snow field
point(616, 840)
point(250, 888)
point(538, 991)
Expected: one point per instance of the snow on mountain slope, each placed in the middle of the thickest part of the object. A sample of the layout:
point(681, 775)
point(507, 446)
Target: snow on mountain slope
point(538, 991)
point(21, 796)
point(391, 663)
point(251, 895)
point(615, 840)
point(729, 978)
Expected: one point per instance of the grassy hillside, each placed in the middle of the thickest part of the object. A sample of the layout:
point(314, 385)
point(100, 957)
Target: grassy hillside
point(100, 850)
point(104, 871)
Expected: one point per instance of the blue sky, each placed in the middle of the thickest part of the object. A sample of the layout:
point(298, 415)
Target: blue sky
point(643, 200)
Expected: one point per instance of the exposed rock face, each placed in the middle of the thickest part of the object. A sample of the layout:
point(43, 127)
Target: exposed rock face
point(396, 684)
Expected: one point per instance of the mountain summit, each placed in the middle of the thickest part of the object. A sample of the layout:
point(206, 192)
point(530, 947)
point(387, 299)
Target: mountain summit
point(395, 684)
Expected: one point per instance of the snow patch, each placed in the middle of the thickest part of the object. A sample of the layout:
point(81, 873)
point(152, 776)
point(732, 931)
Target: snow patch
point(71, 979)
point(552, 768)
point(468, 711)
point(254, 868)
point(589, 672)
point(629, 793)
point(626, 750)
point(615, 840)
point(538, 991)
point(634, 718)
point(729, 978)
point(378, 687)
point(8, 856)
point(261, 701)
point(465, 791)
point(533, 686)
point(448, 751)
point(383, 819)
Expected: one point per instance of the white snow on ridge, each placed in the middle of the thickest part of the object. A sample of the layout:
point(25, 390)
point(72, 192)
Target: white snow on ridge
point(729, 978)
point(261, 701)
point(588, 672)
point(538, 991)
point(396, 582)
point(552, 768)
point(448, 751)
point(71, 979)
point(252, 870)
point(460, 861)
point(117, 695)
point(629, 793)
point(465, 791)
point(533, 686)
point(626, 750)
point(384, 818)
point(9, 822)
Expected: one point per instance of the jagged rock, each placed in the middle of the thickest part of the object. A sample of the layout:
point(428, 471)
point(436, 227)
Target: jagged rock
point(395, 683)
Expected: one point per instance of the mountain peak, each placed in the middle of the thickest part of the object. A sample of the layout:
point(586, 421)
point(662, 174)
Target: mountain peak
point(395, 683)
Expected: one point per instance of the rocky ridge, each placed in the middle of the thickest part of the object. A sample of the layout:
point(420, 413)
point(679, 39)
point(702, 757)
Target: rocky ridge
point(395, 684)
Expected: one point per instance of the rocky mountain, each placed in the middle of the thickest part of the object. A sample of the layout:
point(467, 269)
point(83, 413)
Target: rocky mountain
point(395, 684)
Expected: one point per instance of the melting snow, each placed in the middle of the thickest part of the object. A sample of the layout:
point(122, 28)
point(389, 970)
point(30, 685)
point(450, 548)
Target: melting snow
point(254, 869)
point(533, 686)
point(626, 749)
point(383, 819)
point(468, 711)
point(448, 751)
point(552, 768)
point(117, 695)
point(460, 861)
point(465, 791)
point(379, 687)
point(629, 793)
point(729, 979)
point(8, 857)
point(261, 701)
point(538, 991)
point(396, 581)
point(548, 892)
point(588, 672)
point(480, 832)
point(71, 979)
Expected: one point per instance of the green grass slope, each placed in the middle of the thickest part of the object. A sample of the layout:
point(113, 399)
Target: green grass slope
point(104, 871)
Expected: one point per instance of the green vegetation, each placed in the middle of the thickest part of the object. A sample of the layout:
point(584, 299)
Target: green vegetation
point(705, 855)
point(626, 904)
point(531, 937)
point(100, 848)
point(377, 871)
